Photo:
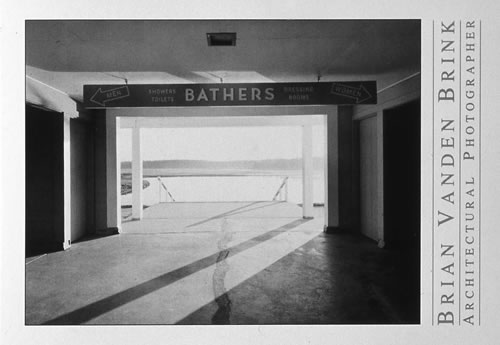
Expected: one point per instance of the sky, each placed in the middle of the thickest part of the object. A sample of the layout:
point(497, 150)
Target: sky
point(221, 144)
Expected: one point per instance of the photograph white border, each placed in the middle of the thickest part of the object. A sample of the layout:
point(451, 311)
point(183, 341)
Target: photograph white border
point(12, 102)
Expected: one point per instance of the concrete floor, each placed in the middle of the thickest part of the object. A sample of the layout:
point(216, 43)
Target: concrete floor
point(233, 263)
point(203, 216)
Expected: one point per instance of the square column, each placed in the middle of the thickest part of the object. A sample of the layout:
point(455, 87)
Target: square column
point(332, 171)
point(380, 178)
point(137, 174)
point(67, 181)
point(307, 172)
point(113, 184)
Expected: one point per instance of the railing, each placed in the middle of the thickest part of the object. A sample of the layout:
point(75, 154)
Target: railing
point(280, 195)
point(282, 192)
point(160, 186)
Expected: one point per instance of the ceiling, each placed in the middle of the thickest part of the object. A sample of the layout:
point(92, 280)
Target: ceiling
point(68, 54)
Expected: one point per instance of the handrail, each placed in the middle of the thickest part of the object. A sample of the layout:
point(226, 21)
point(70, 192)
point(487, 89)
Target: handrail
point(161, 184)
point(283, 189)
point(278, 192)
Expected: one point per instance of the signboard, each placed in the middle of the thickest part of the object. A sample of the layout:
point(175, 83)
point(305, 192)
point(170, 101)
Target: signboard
point(197, 95)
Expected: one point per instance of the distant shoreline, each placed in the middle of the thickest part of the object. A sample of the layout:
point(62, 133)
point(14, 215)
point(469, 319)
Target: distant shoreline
point(244, 165)
point(151, 173)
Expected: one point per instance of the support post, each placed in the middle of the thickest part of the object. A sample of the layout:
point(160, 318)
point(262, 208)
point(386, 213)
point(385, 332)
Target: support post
point(159, 190)
point(331, 171)
point(113, 183)
point(307, 172)
point(286, 190)
point(67, 181)
point(380, 178)
point(137, 174)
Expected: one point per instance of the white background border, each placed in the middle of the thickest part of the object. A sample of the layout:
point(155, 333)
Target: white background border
point(12, 103)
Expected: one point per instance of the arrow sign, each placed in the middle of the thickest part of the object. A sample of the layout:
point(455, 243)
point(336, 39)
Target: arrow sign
point(101, 97)
point(360, 93)
point(221, 95)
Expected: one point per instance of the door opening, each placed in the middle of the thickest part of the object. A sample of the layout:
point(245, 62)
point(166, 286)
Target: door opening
point(240, 159)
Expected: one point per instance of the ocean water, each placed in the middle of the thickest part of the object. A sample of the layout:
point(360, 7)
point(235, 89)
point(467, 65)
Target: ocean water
point(226, 188)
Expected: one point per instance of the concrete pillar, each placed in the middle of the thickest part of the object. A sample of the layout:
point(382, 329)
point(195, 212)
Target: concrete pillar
point(345, 167)
point(380, 178)
point(340, 152)
point(332, 183)
point(113, 178)
point(137, 174)
point(325, 172)
point(101, 203)
point(67, 181)
point(307, 172)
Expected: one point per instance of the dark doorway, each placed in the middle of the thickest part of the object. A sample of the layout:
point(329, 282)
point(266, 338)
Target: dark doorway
point(402, 194)
point(402, 175)
point(44, 181)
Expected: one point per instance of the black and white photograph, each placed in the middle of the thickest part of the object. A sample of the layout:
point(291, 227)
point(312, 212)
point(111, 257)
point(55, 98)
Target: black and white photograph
point(222, 172)
point(249, 172)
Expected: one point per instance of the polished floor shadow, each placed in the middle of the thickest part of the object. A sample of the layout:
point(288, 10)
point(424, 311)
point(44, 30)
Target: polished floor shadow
point(231, 270)
point(107, 304)
point(333, 279)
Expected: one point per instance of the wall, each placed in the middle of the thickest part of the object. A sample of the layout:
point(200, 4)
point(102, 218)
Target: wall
point(345, 163)
point(368, 177)
point(100, 170)
point(77, 199)
point(106, 171)
point(82, 178)
point(407, 90)
point(44, 181)
point(332, 179)
point(90, 202)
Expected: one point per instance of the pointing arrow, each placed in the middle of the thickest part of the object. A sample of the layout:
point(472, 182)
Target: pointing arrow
point(101, 97)
point(360, 93)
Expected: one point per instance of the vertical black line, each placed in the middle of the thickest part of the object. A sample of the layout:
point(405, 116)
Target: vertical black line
point(433, 172)
point(25, 168)
point(480, 194)
point(459, 172)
